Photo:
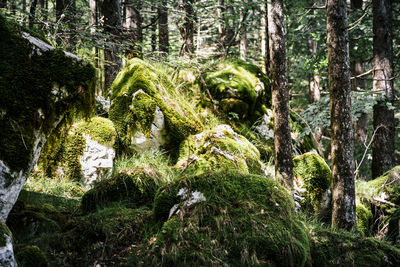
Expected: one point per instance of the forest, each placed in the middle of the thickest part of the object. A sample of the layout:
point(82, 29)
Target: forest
point(197, 132)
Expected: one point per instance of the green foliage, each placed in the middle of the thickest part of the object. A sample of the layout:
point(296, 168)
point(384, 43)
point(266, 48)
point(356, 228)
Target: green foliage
point(30, 256)
point(237, 220)
point(38, 91)
point(364, 220)
point(99, 129)
point(4, 231)
point(312, 174)
point(132, 109)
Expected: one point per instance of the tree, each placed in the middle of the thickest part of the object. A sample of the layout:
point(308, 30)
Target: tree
point(343, 191)
point(32, 12)
point(187, 31)
point(163, 32)
point(133, 24)
point(111, 11)
point(383, 144)
point(280, 95)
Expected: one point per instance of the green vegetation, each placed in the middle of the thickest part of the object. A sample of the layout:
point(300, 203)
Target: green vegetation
point(4, 231)
point(30, 256)
point(364, 220)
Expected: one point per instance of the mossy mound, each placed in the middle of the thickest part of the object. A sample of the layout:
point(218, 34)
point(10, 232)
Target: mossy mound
point(135, 187)
point(39, 87)
point(30, 256)
point(228, 219)
point(65, 150)
point(218, 149)
point(364, 220)
point(144, 101)
point(239, 87)
point(340, 248)
point(4, 231)
point(312, 179)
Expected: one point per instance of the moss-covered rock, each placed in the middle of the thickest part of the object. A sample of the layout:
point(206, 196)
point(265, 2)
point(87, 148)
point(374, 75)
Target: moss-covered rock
point(239, 87)
point(218, 149)
point(340, 248)
point(132, 186)
point(393, 234)
point(364, 220)
point(30, 256)
point(312, 182)
point(148, 110)
point(4, 232)
point(225, 218)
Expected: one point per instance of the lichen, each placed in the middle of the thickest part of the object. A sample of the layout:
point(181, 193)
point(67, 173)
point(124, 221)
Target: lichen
point(242, 220)
point(38, 90)
point(136, 92)
point(218, 149)
point(312, 174)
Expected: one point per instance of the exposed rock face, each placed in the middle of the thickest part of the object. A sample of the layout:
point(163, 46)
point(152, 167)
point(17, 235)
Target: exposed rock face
point(40, 87)
point(7, 254)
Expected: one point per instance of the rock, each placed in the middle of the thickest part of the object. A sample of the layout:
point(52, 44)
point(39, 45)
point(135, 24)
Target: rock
point(102, 106)
point(312, 183)
point(148, 110)
point(219, 149)
point(6, 249)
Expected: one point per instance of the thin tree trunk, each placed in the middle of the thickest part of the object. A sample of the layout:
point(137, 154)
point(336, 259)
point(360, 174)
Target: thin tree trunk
point(267, 58)
point(163, 32)
point(243, 39)
point(93, 27)
point(280, 95)
point(343, 191)
point(32, 12)
point(133, 23)
point(111, 10)
point(188, 47)
point(383, 144)
point(360, 126)
point(154, 31)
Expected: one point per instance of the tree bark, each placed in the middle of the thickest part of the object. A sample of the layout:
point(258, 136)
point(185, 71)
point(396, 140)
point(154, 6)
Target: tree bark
point(154, 31)
point(32, 11)
point(383, 144)
point(360, 126)
point(111, 10)
point(243, 38)
point(342, 148)
point(280, 95)
point(267, 57)
point(133, 24)
point(163, 32)
point(188, 47)
point(357, 4)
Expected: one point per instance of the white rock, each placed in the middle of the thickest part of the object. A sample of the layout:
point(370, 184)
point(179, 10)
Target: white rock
point(7, 254)
point(263, 129)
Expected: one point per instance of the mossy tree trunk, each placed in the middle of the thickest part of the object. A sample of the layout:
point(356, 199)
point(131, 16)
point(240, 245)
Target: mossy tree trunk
point(111, 10)
point(163, 32)
point(383, 143)
point(280, 95)
point(343, 191)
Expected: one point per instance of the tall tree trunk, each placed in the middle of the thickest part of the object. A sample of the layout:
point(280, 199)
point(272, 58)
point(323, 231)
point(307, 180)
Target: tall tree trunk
point(93, 27)
point(154, 31)
point(163, 32)
point(111, 10)
point(133, 23)
point(360, 126)
point(243, 38)
point(267, 57)
point(66, 11)
point(357, 4)
point(188, 47)
point(383, 144)
point(32, 12)
point(343, 191)
point(280, 95)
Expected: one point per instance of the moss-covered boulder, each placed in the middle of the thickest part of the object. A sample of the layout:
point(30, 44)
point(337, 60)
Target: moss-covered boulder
point(312, 183)
point(239, 88)
point(340, 248)
point(219, 149)
point(41, 88)
point(393, 234)
point(134, 187)
point(148, 110)
point(364, 219)
point(82, 154)
point(30, 256)
point(6, 248)
point(228, 219)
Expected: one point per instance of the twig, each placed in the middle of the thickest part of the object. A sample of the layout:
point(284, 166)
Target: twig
point(208, 93)
point(366, 149)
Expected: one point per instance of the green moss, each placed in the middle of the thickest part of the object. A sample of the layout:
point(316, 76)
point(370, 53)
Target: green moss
point(38, 90)
point(99, 129)
point(340, 248)
point(240, 87)
point(393, 234)
point(4, 231)
point(74, 147)
point(364, 220)
point(313, 174)
point(136, 92)
point(30, 256)
point(240, 220)
point(131, 186)
point(218, 149)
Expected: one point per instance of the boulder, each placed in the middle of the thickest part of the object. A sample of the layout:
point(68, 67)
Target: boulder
point(148, 110)
point(41, 88)
point(219, 149)
point(7, 258)
point(312, 183)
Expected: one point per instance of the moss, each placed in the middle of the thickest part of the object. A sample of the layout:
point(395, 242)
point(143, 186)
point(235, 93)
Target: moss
point(364, 220)
point(240, 87)
point(37, 91)
point(30, 256)
point(99, 129)
point(393, 234)
point(239, 220)
point(136, 92)
point(340, 248)
point(4, 231)
point(131, 186)
point(218, 149)
point(312, 174)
